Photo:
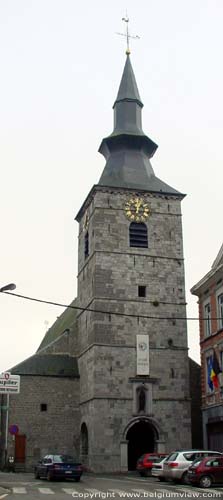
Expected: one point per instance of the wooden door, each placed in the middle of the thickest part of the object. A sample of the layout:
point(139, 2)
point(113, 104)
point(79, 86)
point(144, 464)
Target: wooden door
point(20, 448)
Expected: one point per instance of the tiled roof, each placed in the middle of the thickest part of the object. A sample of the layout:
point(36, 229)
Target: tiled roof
point(63, 322)
point(54, 365)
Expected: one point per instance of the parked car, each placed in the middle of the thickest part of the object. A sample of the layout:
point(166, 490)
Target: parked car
point(146, 461)
point(206, 471)
point(179, 461)
point(58, 466)
point(157, 469)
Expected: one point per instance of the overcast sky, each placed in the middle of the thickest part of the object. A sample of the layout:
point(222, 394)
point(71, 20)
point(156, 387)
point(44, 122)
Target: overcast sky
point(61, 63)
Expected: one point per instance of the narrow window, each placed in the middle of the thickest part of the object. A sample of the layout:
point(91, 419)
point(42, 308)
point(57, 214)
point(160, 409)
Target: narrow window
point(86, 245)
point(207, 315)
point(220, 310)
point(43, 407)
point(84, 441)
point(209, 383)
point(141, 291)
point(138, 236)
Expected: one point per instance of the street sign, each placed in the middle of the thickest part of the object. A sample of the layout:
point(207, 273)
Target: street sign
point(9, 384)
point(13, 429)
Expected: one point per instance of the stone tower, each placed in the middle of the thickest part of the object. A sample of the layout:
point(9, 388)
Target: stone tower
point(132, 348)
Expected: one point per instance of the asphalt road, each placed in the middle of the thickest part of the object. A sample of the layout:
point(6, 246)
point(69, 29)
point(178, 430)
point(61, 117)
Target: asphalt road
point(99, 487)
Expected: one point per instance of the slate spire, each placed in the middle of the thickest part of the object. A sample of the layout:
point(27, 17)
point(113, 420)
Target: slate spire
point(128, 87)
point(128, 150)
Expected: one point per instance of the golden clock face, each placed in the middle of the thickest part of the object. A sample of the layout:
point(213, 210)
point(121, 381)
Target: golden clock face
point(136, 209)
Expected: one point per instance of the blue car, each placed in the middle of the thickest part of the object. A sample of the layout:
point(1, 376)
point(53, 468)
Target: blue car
point(58, 467)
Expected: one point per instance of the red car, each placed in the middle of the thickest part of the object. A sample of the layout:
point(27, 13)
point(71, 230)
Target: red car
point(206, 471)
point(146, 461)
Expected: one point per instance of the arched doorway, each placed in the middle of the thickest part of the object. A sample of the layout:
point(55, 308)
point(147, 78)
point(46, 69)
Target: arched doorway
point(142, 437)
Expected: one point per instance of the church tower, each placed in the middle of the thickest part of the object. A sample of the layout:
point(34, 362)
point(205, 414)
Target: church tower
point(132, 337)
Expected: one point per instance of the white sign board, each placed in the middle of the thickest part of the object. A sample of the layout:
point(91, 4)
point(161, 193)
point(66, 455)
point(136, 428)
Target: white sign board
point(142, 352)
point(9, 384)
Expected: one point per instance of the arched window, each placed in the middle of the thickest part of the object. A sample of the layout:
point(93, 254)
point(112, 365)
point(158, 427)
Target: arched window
point(138, 235)
point(84, 441)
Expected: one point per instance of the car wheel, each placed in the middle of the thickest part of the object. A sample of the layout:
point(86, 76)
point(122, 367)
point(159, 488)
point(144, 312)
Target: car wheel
point(142, 474)
point(77, 479)
point(36, 474)
point(205, 482)
point(185, 479)
point(162, 478)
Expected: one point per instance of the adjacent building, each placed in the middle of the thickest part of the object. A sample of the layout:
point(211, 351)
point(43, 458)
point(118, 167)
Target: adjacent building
point(111, 378)
point(209, 291)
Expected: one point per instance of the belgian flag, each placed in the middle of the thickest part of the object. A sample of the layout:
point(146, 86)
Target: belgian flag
point(215, 370)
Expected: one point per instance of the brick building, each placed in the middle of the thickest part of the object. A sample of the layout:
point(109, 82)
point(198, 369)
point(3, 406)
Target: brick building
point(115, 371)
point(209, 291)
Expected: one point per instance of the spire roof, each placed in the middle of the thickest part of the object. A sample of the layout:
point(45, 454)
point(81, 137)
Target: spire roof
point(128, 89)
point(128, 149)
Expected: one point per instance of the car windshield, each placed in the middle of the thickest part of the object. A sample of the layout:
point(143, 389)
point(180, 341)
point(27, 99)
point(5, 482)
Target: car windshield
point(64, 459)
point(153, 458)
point(158, 459)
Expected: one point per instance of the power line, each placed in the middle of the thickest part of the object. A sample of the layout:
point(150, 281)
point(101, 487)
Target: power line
point(58, 304)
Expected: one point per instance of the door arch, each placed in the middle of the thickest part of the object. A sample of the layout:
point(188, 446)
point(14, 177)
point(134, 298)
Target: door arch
point(142, 437)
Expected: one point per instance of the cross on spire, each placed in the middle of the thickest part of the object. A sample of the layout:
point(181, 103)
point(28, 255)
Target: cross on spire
point(127, 34)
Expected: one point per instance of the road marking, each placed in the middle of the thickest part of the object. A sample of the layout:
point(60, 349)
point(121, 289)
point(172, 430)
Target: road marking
point(163, 490)
point(93, 490)
point(46, 491)
point(119, 492)
point(202, 490)
point(139, 490)
point(19, 490)
point(3, 496)
point(70, 491)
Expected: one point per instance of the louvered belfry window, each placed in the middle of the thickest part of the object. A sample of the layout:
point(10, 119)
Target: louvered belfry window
point(138, 235)
point(86, 245)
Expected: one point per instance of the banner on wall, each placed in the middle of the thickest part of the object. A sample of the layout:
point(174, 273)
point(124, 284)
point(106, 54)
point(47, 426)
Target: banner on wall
point(142, 353)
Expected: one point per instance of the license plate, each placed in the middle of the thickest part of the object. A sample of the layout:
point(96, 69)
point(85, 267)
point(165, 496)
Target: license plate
point(68, 472)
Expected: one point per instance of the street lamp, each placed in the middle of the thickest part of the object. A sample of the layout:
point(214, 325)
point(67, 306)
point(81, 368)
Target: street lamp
point(10, 286)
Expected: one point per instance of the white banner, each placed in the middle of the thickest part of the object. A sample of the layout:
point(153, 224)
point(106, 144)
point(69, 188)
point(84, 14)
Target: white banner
point(142, 352)
point(9, 384)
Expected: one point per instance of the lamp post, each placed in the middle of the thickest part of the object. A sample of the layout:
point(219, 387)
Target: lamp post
point(10, 286)
point(5, 288)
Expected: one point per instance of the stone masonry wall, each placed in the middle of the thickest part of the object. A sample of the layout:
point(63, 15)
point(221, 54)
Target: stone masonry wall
point(54, 430)
point(108, 281)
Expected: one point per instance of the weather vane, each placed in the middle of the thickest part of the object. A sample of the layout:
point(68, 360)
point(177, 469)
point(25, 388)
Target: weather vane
point(127, 34)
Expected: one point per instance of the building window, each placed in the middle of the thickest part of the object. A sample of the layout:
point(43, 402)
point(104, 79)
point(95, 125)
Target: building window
point(84, 441)
point(138, 236)
point(86, 245)
point(209, 383)
point(207, 315)
point(220, 310)
point(141, 291)
point(43, 407)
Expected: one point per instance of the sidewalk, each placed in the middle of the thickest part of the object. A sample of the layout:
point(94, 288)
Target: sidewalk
point(3, 490)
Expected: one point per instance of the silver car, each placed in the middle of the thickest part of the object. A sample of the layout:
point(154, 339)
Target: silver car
point(177, 463)
point(157, 469)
